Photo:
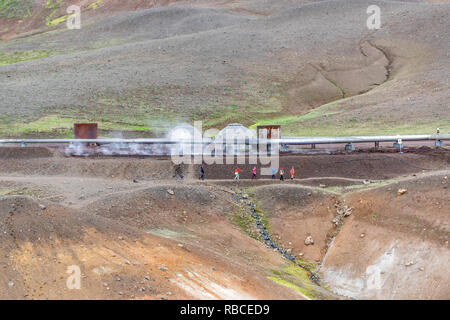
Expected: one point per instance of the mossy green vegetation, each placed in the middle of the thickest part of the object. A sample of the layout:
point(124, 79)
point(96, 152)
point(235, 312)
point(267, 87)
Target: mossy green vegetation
point(54, 22)
point(245, 222)
point(58, 127)
point(19, 56)
point(54, 6)
point(258, 210)
point(4, 191)
point(344, 128)
point(335, 119)
point(15, 9)
point(325, 110)
point(94, 5)
point(243, 219)
point(262, 216)
point(171, 234)
point(297, 278)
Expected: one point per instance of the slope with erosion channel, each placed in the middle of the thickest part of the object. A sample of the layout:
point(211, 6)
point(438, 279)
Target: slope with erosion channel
point(194, 242)
point(394, 246)
point(268, 68)
point(199, 218)
point(386, 246)
point(300, 274)
point(120, 261)
point(296, 212)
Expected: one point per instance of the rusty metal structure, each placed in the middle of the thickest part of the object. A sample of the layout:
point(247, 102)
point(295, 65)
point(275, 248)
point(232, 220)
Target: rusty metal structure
point(269, 132)
point(85, 131)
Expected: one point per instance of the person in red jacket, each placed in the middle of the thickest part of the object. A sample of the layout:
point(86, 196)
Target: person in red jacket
point(254, 173)
point(292, 173)
point(236, 173)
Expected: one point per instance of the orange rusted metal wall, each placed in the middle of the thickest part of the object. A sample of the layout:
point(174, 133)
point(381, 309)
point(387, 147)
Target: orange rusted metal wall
point(272, 131)
point(85, 131)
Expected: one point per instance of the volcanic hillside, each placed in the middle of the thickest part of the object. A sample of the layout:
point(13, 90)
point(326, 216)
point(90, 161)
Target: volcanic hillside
point(312, 66)
point(136, 230)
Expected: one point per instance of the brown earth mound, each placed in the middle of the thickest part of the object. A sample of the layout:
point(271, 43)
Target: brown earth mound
point(156, 207)
point(394, 246)
point(296, 212)
point(43, 161)
point(374, 166)
point(164, 237)
point(118, 261)
point(10, 153)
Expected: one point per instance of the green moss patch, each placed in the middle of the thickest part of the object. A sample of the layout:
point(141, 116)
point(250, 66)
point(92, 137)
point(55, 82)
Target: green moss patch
point(21, 191)
point(54, 6)
point(15, 9)
point(297, 278)
point(19, 56)
point(245, 222)
point(59, 127)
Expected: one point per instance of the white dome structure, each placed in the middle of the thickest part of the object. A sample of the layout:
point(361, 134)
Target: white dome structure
point(235, 132)
point(183, 132)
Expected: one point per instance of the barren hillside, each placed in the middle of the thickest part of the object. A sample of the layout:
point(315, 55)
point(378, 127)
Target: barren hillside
point(312, 66)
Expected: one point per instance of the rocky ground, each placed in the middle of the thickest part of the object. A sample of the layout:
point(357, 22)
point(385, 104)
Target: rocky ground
point(369, 224)
point(138, 232)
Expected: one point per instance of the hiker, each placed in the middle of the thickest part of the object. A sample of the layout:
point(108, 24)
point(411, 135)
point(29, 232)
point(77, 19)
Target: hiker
point(236, 173)
point(202, 173)
point(254, 173)
point(292, 173)
point(273, 173)
point(282, 174)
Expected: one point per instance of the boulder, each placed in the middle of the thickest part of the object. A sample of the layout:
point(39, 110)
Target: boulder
point(309, 240)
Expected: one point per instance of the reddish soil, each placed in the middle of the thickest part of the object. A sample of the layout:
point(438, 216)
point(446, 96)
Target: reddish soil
point(357, 165)
point(394, 247)
point(296, 212)
point(137, 240)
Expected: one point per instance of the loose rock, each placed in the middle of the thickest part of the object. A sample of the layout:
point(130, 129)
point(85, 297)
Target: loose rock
point(309, 240)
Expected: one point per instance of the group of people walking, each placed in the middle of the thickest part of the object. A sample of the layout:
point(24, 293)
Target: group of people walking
point(237, 172)
point(274, 173)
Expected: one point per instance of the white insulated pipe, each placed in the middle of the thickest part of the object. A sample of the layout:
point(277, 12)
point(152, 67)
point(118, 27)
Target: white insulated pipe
point(285, 141)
